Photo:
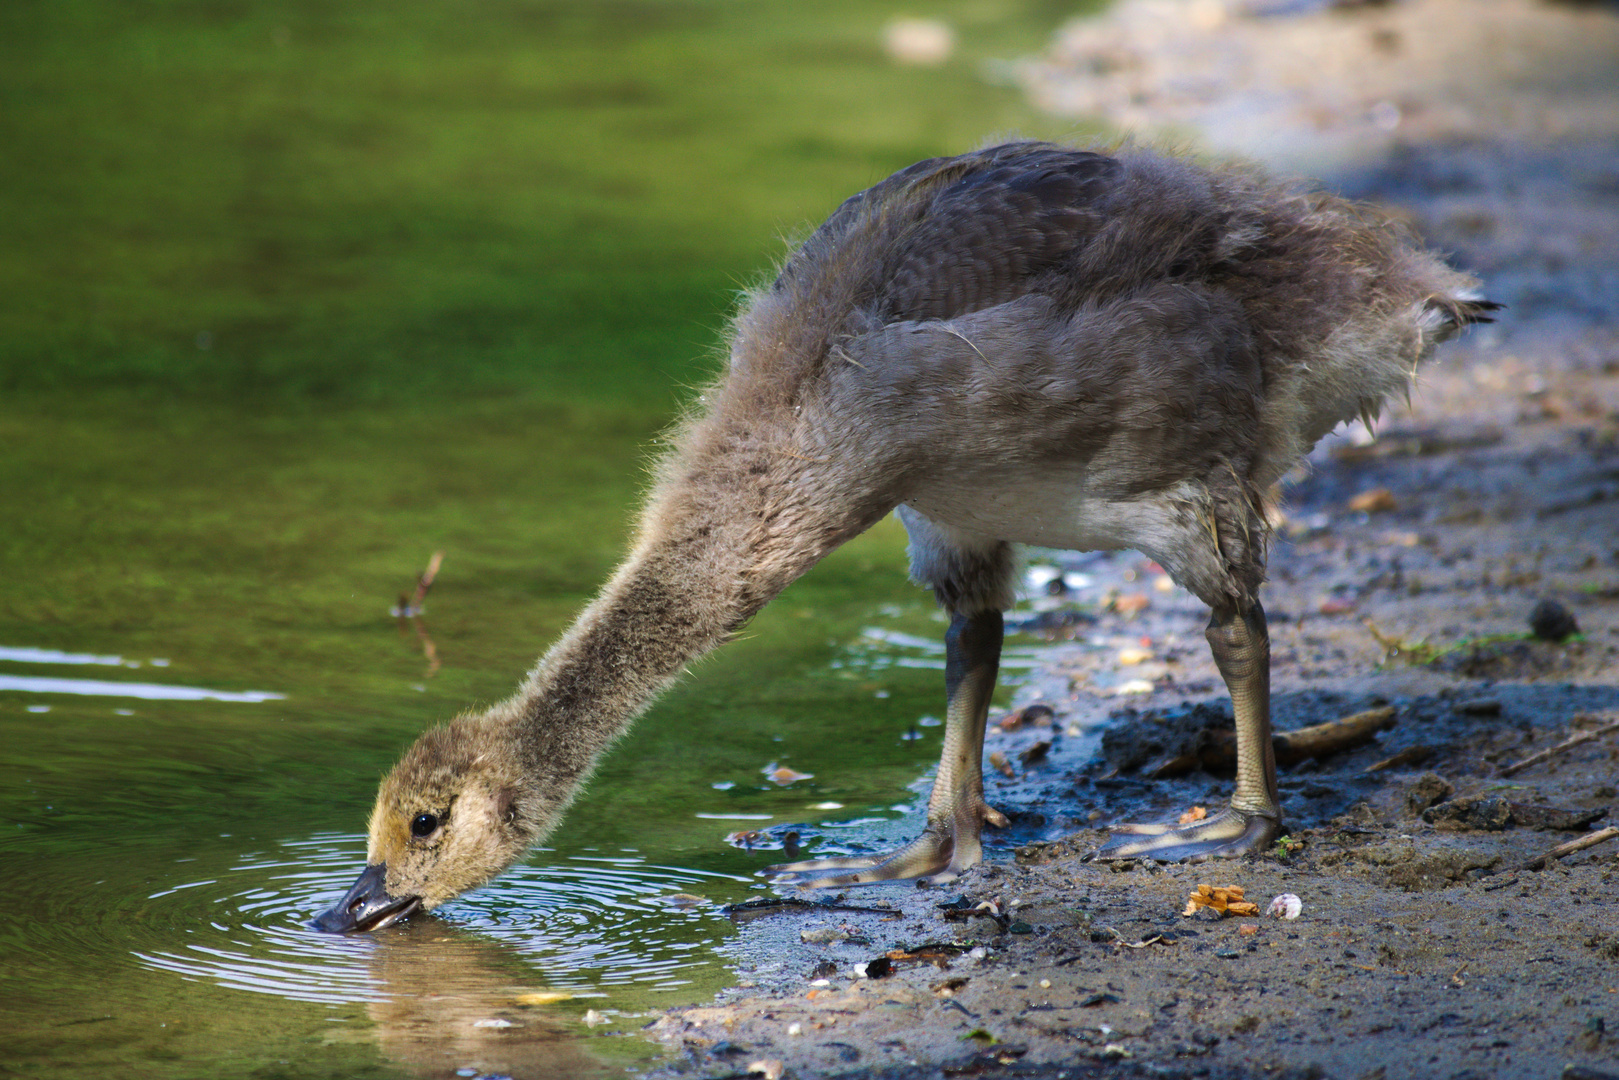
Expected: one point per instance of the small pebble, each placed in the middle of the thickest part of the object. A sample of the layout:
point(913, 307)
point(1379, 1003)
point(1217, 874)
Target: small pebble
point(1551, 621)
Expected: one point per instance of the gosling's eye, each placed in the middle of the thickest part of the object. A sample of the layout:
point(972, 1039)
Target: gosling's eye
point(423, 824)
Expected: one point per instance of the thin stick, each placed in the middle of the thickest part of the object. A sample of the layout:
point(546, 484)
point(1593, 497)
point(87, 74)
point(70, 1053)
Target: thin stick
point(1588, 840)
point(1566, 744)
point(425, 582)
point(1411, 755)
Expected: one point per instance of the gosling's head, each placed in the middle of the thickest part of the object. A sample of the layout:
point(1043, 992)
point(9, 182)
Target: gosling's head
point(449, 817)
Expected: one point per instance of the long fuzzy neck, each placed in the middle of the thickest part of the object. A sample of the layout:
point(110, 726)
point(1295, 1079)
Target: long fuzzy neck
point(734, 522)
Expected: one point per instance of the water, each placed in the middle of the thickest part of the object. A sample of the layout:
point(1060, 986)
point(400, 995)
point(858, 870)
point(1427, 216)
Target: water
point(167, 842)
point(310, 294)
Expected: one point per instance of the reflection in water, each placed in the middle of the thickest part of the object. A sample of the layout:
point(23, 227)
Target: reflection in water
point(47, 684)
point(879, 648)
point(410, 610)
point(22, 654)
point(456, 1002)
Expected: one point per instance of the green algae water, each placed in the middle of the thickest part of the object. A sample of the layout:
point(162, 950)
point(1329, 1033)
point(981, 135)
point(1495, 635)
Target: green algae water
point(300, 294)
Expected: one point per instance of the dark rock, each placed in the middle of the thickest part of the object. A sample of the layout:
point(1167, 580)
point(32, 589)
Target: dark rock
point(1489, 812)
point(1426, 790)
point(1493, 812)
point(1554, 817)
point(1551, 621)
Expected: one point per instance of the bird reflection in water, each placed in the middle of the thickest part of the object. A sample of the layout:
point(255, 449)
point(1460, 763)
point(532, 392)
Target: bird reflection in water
point(458, 1002)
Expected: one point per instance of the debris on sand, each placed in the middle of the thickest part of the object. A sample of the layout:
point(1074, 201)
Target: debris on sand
point(1495, 812)
point(1562, 850)
point(1567, 744)
point(1427, 790)
point(1038, 714)
point(1224, 899)
point(1285, 906)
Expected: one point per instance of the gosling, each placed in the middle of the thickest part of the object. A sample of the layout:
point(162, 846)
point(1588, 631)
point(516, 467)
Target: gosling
point(1028, 344)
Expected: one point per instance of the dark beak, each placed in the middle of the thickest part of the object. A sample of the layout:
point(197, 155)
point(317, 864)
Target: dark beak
point(367, 906)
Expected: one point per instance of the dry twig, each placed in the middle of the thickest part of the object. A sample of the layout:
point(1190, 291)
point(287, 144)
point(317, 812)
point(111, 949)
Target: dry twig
point(1588, 840)
point(1567, 744)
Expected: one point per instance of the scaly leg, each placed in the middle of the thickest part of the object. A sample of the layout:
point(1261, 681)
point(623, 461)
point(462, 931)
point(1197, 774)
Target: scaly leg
point(1241, 648)
point(949, 843)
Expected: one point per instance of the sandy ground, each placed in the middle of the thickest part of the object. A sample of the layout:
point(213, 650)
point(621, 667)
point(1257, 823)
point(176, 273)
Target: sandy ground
point(1403, 576)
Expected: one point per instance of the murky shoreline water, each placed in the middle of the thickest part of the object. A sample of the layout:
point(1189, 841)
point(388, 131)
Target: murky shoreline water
point(169, 847)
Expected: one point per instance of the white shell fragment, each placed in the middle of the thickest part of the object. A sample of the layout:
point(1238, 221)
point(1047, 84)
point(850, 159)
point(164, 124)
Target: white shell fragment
point(1285, 906)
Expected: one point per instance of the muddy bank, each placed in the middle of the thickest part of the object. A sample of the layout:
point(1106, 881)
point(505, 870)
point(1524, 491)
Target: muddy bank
point(1404, 576)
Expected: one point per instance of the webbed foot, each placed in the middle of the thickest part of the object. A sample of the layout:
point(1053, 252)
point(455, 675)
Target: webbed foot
point(1241, 648)
point(944, 850)
point(1228, 833)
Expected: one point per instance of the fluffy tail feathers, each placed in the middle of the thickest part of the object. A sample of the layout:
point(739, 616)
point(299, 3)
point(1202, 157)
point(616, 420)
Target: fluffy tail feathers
point(1454, 312)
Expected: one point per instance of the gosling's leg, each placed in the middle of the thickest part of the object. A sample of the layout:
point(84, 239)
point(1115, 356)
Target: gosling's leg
point(1241, 648)
point(949, 843)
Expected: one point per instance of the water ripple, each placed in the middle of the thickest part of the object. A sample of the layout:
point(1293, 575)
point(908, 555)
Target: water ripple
point(585, 925)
